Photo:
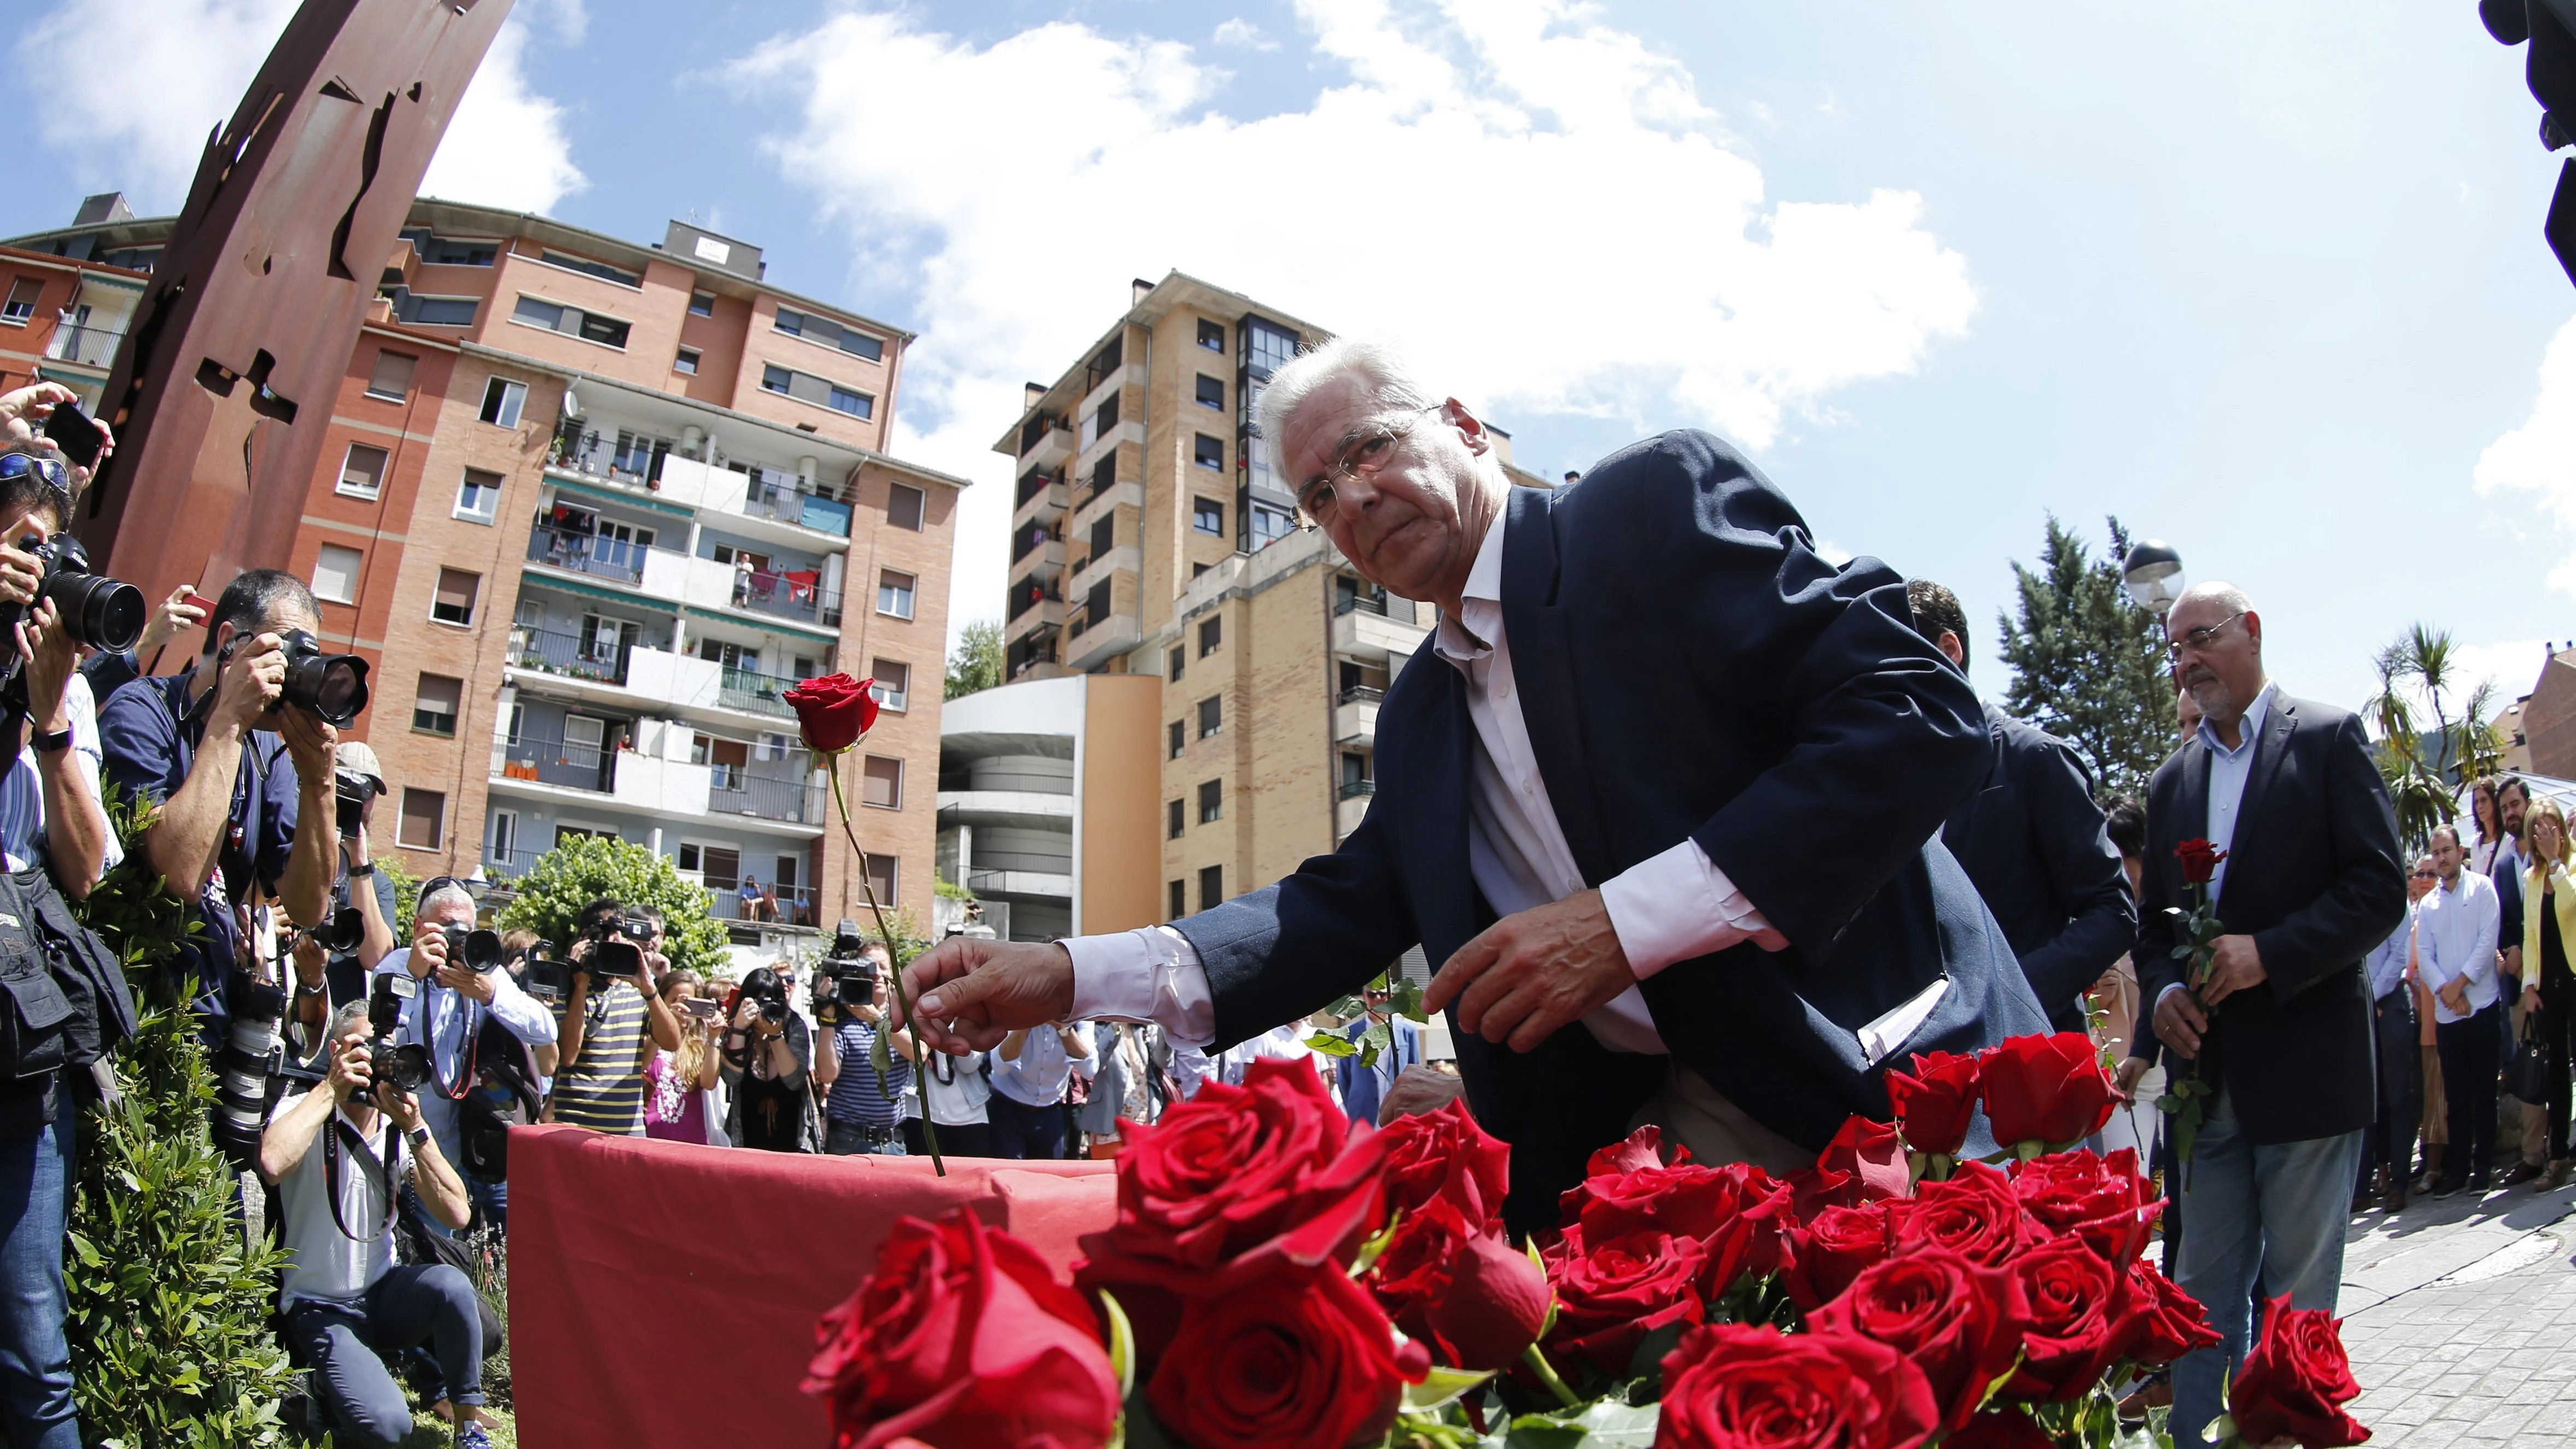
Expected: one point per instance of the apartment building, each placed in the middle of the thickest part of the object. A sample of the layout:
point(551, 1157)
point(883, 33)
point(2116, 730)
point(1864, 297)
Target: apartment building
point(1152, 536)
point(63, 313)
point(590, 508)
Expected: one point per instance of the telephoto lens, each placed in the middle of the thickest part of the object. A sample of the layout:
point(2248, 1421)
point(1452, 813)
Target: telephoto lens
point(331, 687)
point(100, 613)
point(248, 1062)
point(343, 933)
point(474, 949)
point(386, 993)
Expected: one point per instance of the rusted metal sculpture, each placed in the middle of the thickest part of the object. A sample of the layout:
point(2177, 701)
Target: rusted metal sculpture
point(227, 376)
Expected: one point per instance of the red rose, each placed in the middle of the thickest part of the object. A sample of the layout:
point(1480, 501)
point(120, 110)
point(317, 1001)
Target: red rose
point(1813, 1189)
point(1974, 1214)
point(1958, 1322)
point(1299, 1358)
point(2046, 1089)
point(1832, 1249)
point(2199, 861)
point(1465, 1290)
point(2004, 1428)
point(1445, 1154)
point(1611, 1294)
point(1738, 1387)
point(1872, 1153)
point(2080, 1323)
point(833, 711)
point(1642, 1148)
point(2102, 1200)
point(1934, 1105)
point(963, 1337)
point(2295, 1381)
point(2168, 1322)
point(1739, 1213)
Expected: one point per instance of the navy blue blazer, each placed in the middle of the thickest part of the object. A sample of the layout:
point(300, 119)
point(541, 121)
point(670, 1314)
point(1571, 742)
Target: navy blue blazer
point(1688, 667)
point(2033, 841)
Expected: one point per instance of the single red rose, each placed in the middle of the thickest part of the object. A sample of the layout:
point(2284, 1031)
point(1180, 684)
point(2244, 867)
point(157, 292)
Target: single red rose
point(1465, 1290)
point(2169, 1322)
point(1936, 1103)
point(833, 711)
point(2004, 1428)
point(962, 1336)
point(1638, 1150)
point(2295, 1382)
point(1300, 1358)
point(1612, 1293)
point(1739, 1213)
point(1973, 1213)
point(1832, 1249)
point(1872, 1153)
point(2102, 1200)
point(1813, 1189)
point(2048, 1089)
point(1733, 1386)
point(1445, 1154)
point(1957, 1321)
point(2199, 860)
point(2080, 1320)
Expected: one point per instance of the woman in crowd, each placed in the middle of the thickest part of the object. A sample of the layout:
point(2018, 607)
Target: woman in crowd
point(2493, 839)
point(766, 1057)
point(2548, 925)
point(958, 1092)
point(678, 1086)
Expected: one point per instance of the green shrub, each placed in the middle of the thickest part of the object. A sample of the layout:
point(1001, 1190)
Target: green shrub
point(406, 894)
point(583, 868)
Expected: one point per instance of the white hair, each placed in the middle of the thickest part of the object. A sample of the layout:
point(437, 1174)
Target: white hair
point(444, 894)
point(1378, 364)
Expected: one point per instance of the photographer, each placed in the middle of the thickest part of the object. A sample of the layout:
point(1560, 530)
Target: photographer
point(343, 1301)
point(767, 1049)
point(358, 782)
point(612, 1018)
point(455, 1001)
point(863, 1110)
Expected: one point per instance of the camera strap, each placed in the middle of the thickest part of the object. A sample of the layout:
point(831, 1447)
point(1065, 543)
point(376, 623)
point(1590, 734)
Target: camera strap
point(470, 1048)
point(384, 1171)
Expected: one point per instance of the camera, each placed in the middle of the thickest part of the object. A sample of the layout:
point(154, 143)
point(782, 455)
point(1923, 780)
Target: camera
point(474, 948)
point(331, 687)
point(617, 949)
point(847, 975)
point(101, 613)
point(353, 791)
point(250, 1058)
point(341, 934)
point(548, 979)
point(404, 1066)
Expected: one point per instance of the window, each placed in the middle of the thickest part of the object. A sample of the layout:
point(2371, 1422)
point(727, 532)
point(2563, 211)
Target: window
point(1104, 474)
point(455, 601)
point(448, 251)
point(1095, 606)
point(571, 321)
point(502, 402)
point(883, 786)
point(1212, 336)
point(1211, 392)
point(1207, 516)
point(1266, 347)
point(686, 362)
point(1174, 818)
point(424, 818)
point(822, 393)
point(1210, 452)
point(1211, 634)
point(856, 404)
point(894, 594)
point(1211, 887)
point(392, 377)
point(478, 498)
point(362, 471)
point(774, 378)
point(601, 270)
point(904, 506)
point(1211, 715)
point(1104, 535)
point(1180, 889)
point(22, 300)
point(894, 683)
point(1102, 422)
point(434, 704)
point(505, 836)
point(824, 332)
point(335, 574)
point(1211, 801)
point(881, 877)
point(1269, 525)
point(702, 304)
point(1176, 663)
point(1180, 733)
point(439, 311)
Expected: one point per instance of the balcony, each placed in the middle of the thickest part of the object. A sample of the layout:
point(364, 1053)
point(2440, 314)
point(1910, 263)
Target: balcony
point(1355, 715)
point(1042, 499)
point(1016, 809)
point(733, 791)
point(633, 459)
point(784, 504)
point(1101, 565)
point(551, 760)
point(757, 693)
point(596, 555)
point(1019, 883)
point(798, 595)
point(1044, 442)
point(547, 651)
point(1352, 807)
point(1361, 631)
point(1039, 540)
point(776, 905)
point(83, 346)
point(1105, 640)
point(508, 865)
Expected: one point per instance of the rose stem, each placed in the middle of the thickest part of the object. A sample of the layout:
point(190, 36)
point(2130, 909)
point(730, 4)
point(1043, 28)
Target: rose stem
point(929, 1129)
point(1547, 1375)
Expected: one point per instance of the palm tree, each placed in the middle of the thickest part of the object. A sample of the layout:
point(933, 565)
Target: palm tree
point(2426, 772)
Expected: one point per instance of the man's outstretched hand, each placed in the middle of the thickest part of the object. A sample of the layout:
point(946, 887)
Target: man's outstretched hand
point(968, 993)
point(1533, 971)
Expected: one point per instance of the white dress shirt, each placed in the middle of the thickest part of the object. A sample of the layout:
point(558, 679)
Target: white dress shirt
point(2456, 939)
point(1666, 908)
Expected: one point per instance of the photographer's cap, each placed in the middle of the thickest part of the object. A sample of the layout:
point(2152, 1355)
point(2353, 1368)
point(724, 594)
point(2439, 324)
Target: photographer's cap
point(355, 758)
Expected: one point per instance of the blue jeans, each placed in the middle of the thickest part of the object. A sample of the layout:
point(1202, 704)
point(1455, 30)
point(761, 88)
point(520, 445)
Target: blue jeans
point(2279, 1209)
point(849, 1139)
point(1022, 1131)
point(345, 1344)
point(35, 1358)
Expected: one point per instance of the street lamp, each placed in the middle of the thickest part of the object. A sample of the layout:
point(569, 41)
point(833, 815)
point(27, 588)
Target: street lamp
point(2152, 576)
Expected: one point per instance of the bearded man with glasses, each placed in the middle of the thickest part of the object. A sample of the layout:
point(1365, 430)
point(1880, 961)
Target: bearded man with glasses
point(1663, 794)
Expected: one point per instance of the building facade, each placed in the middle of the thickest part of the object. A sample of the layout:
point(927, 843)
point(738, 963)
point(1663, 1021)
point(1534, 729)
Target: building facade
point(589, 509)
point(63, 313)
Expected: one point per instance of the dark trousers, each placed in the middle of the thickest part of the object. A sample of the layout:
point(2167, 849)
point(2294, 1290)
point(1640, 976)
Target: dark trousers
point(2470, 1051)
point(344, 1344)
point(956, 1139)
point(1022, 1131)
point(2557, 1027)
point(2396, 1044)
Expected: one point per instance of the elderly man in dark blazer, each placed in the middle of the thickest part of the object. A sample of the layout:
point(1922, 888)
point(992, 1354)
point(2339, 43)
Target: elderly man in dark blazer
point(2282, 1026)
point(1661, 794)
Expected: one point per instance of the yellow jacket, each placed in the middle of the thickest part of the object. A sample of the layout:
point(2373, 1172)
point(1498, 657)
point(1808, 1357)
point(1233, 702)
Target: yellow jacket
point(2563, 892)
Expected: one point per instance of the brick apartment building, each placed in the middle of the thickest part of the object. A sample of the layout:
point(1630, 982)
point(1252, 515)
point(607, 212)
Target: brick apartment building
point(1151, 536)
point(589, 508)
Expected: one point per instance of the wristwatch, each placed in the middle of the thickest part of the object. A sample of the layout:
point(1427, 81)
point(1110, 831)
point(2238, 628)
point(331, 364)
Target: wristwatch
point(418, 1137)
point(362, 868)
point(50, 744)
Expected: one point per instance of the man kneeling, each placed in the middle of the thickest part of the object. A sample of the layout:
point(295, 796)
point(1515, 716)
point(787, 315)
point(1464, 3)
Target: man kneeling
point(345, 1301)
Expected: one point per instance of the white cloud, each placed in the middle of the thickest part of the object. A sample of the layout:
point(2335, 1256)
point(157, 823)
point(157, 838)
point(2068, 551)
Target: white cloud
point(2513, 667)
point(1242, 34)
point(2541, 454)
point(1539, 207)
point(506, 146)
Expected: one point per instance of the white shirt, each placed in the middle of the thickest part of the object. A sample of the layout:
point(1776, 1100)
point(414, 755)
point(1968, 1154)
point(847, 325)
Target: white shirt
point(1666, 908)
point(321, 1262)
point(2455, 938)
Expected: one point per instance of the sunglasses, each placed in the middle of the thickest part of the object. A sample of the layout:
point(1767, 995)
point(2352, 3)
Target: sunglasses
point(438, 883)
point(53, 473)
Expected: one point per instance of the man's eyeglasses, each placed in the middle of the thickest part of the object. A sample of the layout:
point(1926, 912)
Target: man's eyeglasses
point(2199, 640)
point(1365, 453)
point(2427, 874)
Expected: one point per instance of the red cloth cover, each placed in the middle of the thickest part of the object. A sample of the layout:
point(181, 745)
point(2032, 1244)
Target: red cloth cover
point(664, 1294)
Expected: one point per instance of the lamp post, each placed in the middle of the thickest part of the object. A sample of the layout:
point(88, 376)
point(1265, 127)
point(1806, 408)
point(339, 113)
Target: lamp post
point(2152, 576)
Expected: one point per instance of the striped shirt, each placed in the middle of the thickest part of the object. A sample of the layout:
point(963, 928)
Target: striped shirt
point(22, 792)
point(604, 1091)
point(856, 1094)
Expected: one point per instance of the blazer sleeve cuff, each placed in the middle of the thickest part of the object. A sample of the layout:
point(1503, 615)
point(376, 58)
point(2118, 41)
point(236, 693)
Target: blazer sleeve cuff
point(1677, 905)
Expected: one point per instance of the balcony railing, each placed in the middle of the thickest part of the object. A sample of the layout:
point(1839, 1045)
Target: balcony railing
point(806, 510)
point(502, 865)
point(1035, 429)
point(586, 553)
point(775, 904)
point(1034, 484)
point(619, 457)
point(1362, 604)
point(787, 597)
point(568, 655)
point(554, 761)
point(733, 792)
point(1360, 694)
point(760, 693)
point(87, 346)
point(1354, 789)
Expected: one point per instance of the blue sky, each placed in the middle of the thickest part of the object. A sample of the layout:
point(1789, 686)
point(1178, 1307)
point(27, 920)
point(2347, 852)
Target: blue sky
point(2265, 281)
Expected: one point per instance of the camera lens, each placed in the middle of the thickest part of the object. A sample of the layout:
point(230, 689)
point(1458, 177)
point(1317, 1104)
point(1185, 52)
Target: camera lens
point(103, 613)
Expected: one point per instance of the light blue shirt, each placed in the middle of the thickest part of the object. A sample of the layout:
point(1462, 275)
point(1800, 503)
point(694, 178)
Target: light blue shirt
point(2455, 938)
point(1037, 1077)
point(445, 1021)
point(2387, 960)
point(2227, 771)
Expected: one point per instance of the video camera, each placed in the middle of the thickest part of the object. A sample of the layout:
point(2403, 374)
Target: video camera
point(330, 687)
point(101, 613)
point(404, 1065)
point(847, 976)
point(549, 979)
point(617, 949)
